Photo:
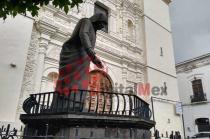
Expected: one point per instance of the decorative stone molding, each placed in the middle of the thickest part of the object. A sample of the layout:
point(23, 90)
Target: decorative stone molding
point(90, 1)
point(55, 32)
point(61, 36)
point(55, 12)
point(43, 43)
point(50, 69)
point(116, 54)
point(30, 71)
point(194, 63)
point(46, 28)
point(124, 72)
point(131, 76)
point(51, 61)
point(132, 8)
point(54, 53)
point(138, 11)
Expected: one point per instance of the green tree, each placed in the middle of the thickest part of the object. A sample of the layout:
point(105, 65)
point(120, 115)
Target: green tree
point(14, 7)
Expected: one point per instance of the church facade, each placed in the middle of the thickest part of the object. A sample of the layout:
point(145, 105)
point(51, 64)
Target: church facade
point(136, 50)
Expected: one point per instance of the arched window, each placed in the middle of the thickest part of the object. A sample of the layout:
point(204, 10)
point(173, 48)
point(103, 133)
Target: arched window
point(52, 78)
point(130, 29)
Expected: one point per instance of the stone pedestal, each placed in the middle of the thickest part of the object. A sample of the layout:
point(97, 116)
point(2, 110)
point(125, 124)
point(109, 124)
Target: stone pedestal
point(74, 126)
point(49, 116)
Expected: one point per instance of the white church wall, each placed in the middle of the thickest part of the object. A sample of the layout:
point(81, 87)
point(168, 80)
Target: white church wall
point(161, 65)
point(166, 118)
point(158, 38)
point(155, 78)
point(158, 11)
point(15, 38)
point(164, 111)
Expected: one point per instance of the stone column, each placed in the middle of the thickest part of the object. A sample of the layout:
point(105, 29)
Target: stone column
point(119, 25)
point(124, 74)
point(112, 23)
point(43, 85)
point(136, 31)
point(40, 63)
point(125, 26)
point(124, 82)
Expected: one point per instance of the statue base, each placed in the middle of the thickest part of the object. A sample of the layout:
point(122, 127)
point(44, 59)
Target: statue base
point(81, 115)
point(74, 126)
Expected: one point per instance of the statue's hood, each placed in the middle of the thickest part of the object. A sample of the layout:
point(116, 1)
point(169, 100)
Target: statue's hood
point(99, 17)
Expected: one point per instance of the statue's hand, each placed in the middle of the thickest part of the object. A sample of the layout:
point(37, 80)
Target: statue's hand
point(98, 62)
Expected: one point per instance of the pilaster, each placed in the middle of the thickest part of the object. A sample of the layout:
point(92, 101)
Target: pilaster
point(46, 31)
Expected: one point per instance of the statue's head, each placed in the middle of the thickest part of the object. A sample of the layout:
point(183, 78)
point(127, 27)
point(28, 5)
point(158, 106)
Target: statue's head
point(99, 21)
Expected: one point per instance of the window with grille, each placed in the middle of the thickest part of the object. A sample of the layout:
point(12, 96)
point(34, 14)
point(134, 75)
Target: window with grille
point(197, 87)
point(99, 9)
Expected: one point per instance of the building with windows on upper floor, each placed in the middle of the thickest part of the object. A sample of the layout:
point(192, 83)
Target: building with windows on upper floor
point(136, 47)
point(194, 90)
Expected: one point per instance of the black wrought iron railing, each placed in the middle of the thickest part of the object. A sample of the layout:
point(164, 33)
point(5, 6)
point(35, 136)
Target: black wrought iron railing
point(7, 133)
point(203, 128)
point(198, 98)
point(87, 102)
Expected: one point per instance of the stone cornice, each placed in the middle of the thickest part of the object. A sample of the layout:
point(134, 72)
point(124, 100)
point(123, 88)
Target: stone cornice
point(61, 36)
point(109, 37)
point(119, 56)
point(119, 42)
point(52, 31)
point(61, 14)
point(51, 61)
point(114, 2)
point(46, 28)
point(133, 8)
point(44, 78)
point(138, 10)
point(193, 63)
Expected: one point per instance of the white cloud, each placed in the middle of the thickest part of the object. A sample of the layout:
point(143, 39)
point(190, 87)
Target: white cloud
point(190, 20)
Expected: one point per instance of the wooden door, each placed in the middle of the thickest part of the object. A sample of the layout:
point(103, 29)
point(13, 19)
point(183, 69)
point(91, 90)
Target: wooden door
point(100, 82)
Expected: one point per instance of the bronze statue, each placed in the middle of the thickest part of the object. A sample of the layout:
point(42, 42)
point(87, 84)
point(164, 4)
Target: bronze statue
point(77, 53)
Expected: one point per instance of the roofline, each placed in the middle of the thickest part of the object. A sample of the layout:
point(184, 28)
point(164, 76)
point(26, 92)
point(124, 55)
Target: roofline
point(193, 59)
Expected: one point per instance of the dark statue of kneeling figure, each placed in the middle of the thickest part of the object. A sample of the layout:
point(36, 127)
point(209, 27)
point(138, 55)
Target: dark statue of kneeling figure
point(75, 58)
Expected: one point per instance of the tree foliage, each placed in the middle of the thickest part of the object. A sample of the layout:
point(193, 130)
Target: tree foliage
point(14, 7)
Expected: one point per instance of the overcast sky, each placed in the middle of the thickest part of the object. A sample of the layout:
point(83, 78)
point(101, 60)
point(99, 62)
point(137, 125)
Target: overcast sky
point(190, 21)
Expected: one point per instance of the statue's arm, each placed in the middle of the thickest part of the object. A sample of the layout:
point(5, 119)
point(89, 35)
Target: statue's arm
point(85, 40)
point(84, 37)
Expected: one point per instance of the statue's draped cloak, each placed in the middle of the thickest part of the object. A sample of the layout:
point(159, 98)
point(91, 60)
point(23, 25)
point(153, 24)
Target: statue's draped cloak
point(74, 59)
